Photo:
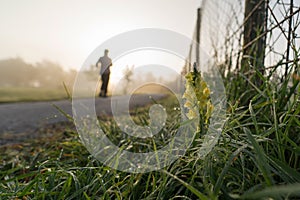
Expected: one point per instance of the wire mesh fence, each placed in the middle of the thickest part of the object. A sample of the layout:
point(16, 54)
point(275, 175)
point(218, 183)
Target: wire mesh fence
point(230, 31)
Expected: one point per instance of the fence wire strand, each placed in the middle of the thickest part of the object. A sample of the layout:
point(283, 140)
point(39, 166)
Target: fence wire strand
point(222, 36)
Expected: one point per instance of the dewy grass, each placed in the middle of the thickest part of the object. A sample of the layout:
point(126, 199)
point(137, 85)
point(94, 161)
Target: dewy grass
point(257, 157)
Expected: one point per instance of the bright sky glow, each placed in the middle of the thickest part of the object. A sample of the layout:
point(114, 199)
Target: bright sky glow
point(67, 31)
point(144, 59)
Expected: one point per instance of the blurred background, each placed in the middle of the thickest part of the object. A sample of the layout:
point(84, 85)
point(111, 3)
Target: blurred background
point(44, 43)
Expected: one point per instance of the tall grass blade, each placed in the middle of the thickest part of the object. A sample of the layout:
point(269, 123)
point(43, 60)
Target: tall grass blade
point(260, 159)
point(188, 186)
point(290, 190)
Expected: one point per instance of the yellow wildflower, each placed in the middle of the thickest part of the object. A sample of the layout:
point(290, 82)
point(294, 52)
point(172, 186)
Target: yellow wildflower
point(206, 92)
point(195, 84)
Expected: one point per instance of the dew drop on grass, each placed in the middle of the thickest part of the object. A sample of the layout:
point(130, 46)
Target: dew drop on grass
point(176, 108)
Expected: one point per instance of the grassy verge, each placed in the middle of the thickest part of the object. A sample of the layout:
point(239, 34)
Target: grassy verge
point(31, 94)
point(257, 157)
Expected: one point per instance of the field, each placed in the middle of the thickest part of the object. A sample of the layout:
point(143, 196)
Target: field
point(18, 94)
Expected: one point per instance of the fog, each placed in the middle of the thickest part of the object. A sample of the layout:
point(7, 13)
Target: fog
point(15, 72)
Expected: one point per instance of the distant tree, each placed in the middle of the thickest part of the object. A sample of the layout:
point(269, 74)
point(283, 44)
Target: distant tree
point(127, 73)
point(15, 72)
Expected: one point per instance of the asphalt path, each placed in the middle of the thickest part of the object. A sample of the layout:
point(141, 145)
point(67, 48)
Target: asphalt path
point(20, 120)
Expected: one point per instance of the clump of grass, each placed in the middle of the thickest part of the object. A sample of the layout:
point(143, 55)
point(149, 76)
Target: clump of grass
point(257, 157)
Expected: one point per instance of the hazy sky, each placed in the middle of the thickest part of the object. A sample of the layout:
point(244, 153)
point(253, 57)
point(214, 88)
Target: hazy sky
point(67, 31)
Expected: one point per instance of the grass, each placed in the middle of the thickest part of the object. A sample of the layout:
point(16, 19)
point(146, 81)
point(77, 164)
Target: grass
point(257, 157)
point(30, 94)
